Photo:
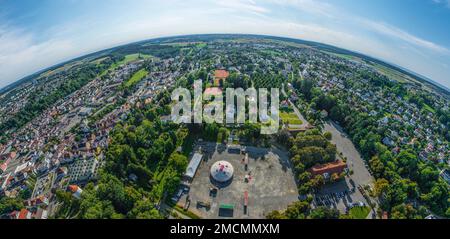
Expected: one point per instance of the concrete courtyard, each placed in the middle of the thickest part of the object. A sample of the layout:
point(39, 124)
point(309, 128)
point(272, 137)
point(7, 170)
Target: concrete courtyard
point(271, 184)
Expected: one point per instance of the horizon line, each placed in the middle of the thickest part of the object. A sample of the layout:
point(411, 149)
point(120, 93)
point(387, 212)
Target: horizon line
point(409, 71)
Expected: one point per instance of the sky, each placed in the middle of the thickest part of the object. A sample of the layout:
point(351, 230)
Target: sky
point(414, 34)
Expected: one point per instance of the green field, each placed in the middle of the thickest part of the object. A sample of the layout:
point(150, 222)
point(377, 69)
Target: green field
point(186, 44)
point(271, 52)
point(202, 45)
point(290, 118)
point(138, 76)
point(126, 60)
point(429, 108)
point(98, 61)
point(131, 57)
point(392, 74)
point(61, 69)
point(359, 212)
point(345, 56)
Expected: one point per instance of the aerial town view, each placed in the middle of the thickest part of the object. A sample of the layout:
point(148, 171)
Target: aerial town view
point(94, 135)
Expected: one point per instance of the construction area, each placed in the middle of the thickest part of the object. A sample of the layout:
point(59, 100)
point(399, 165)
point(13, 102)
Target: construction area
point(237, 182)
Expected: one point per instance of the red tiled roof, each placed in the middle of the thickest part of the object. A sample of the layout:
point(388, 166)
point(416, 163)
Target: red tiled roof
point(221, 74)
point(73, 188)
point(4, 166)
point(213, 91)
point(36, 201)
point(12, 155)
point(23, 214)
point(330, 168)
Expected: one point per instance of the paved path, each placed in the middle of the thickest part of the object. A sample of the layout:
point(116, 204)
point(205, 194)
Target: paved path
point(354, 160)
point(297, 112)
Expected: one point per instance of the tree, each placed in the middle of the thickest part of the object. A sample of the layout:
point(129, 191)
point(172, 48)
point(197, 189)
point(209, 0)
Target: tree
point(297, 210)
point(324, 213)
point(63, 196)
point(317, 181)
point(407, 163)
point(222, 135)
point(283, 137)
point(305, 87)
point(437, 198)
point(144, 209)
point(377, 167)
point(328, 135)
point(403, 211)
point(380, 187)
point(178, 161)
point(8, 204)
point(276, 215)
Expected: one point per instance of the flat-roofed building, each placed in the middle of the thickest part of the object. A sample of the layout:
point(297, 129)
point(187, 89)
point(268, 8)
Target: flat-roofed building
point(192, 168)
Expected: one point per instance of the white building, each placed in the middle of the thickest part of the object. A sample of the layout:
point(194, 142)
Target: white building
point(222, 171)
point(76, 191)
point(192, 168)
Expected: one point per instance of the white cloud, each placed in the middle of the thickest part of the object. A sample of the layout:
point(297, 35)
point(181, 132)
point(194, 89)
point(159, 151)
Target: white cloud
point(243, 5)
point(21, 54)
point(446, 3)
point(311, 6)
point(392, 31)
point(331, 11)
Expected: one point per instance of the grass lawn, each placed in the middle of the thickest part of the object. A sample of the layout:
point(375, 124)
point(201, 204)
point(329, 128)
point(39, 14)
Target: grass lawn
point(138, 76)
point(427, 107)
point(202, 45)
point(98, 61)
point(128, 59)
point(290, 118)
point(393, 74)
point(271, 52)
point(186, 44)
point(359, 212)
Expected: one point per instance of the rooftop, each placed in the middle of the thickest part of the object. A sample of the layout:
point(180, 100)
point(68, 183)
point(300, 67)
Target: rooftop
point(222, 171)
point(221, 74)
point(213, 91)
point(335, 167)
point(193, 165)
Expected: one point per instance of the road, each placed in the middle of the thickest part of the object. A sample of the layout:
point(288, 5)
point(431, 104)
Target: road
point(343, 144)
point(361, 174)
point(296, 111)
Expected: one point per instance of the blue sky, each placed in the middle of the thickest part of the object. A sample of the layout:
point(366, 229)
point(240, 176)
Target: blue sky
point(411, 33)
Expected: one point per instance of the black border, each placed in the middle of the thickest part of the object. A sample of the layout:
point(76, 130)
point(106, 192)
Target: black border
point(308, 229)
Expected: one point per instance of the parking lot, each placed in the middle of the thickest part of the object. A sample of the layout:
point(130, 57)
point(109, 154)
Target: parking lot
point(341, 195)
point(270, 184)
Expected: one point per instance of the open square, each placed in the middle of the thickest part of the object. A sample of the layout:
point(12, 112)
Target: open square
point(268, 184)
